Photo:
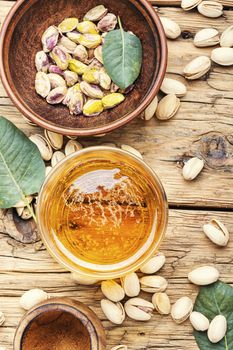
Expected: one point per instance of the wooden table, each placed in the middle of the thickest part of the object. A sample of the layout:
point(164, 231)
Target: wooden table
point(202, 127)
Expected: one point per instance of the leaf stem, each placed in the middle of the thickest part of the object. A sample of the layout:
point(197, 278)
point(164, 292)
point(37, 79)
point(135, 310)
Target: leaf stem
point(31, 211)
point(120, 24)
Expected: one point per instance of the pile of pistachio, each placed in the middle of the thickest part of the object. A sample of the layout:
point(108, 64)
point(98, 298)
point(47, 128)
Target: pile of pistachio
point(70, 67)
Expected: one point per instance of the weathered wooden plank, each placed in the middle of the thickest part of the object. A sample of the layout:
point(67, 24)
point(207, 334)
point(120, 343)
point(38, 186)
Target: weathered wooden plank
point(185, 247)
point(227, 3)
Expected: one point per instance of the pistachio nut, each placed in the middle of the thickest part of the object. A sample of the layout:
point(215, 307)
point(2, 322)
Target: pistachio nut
point(60, 57)
point(87, 27)
point(114, 87)
point(131, 284)
point(72, 146)
point(153, 284)
point(104, 79)
point(20, 210)
point(171, 28)
point(54, 139)
point(74, 36)
point(47, 170)
point(77, 66)
point(107, 23)
point(112, 100)
point(199, 321)
point(32, 297)
point(56, 95)
point(68, 25)
point(96, 13)
point(151, 109)
point(192, 168)
point(21, 204)
point(217, 329)
point(71, 78)
point(212, 9)
point(188, 5)
point(55, 69)
point(198, 67)
point(95, 63)
point(91, 90)
point(56, 80)
point(113, 311)
point(167, 107)
point(57, 157)
point(71, 137)
point(173, 87)
point(93, 107)
point(109, 144)
point(2, 318)
point(206, 37)
point(82, 279)
point(91, 76)
point(226, 39)
point(217, 232)
point(139, 309)
point(204, 275)
point(118, 347)
point(162, 303)
point(41, 62)
point(132, 150)
point(99, 54)
point(67, 44)
point(26, 214)
point(223, 56)
point(154, 264)
point(81, 53)
point(50, 38)
point(43, 146)
point(112, 290)
point(74, 100)
point(182, 309)
point(90, 41)
point(42, 84)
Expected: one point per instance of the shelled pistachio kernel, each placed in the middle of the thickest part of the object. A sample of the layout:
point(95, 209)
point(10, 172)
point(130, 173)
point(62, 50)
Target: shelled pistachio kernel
point(68, 25)
point(90, 41)
point(42, 84)
point(93, 107)
point(87, 27)
point(112, 100)
point(96, 13)
point(217, 232)
point(192, 168)
point(77, 66)
point(182, 309)
point(113, 311)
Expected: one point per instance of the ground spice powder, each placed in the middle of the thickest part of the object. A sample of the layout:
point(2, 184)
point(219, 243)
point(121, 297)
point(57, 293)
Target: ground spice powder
point(56, 330)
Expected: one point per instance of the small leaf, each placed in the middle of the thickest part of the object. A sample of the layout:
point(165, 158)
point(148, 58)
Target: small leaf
point(122, 57)
point(211, 301)
point(22, 170)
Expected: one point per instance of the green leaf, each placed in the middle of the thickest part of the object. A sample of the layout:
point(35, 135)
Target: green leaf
point(122, 57)
point(22, 171)
point(211, 301)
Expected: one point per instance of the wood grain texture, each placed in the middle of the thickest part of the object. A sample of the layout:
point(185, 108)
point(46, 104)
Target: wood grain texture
point(227, 3)
point(203, 126)
point(185, 247)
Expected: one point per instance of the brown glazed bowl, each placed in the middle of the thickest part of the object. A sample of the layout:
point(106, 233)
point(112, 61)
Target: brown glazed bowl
point(60, 322)
point(21, 39)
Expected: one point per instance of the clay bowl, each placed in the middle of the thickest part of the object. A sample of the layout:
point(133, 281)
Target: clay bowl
point(21, 39)
point(62, 323)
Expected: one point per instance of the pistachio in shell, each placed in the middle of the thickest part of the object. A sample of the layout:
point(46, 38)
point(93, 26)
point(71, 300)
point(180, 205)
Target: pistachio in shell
point(211, 9)
point(206, 37)
point(87, 27)
point(154, 264)
point(217, 329)
point(41, 62)
point(72, 146)
point(139, 309)
point(56, 95)
point(204, 275)
point(198, 67)
point(182, 309)
point(107, 23)
point(42, 84)
point(153, 284)
point(96, 13)
point(50, 38)
point(131, 284)
point(93, 107)
point(57, 157)
point(77, 66)
point(113, 311)
point(226, 39)
point(199, 321)
point(112, 100)
point(43, 146)
point(92, 76)
point(91, 90)
point(112, 290)
point(161, 303)
point(171, 28)
point(68, 24)
point(90, 41)
point(223, 56)
point(60, 57)
point(173, 86)
point(80, 53)
point(167, 107)
point(55, 140)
